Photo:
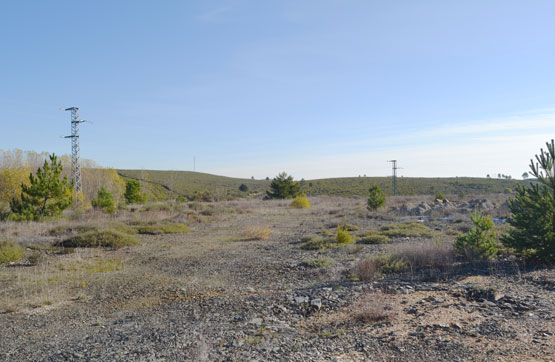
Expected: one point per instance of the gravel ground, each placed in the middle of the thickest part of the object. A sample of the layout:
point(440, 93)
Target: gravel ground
point(207, 296)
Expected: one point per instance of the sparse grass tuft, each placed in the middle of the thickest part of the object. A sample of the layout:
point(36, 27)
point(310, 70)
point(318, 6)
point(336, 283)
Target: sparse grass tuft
point(10, 251)
point(258, 233)
point(372, 309)
point(349, 227)
point(104, 265)
point(104, 238)
point(313, 243)
point(70, 229)
point(162, 229)
point(374, 237)
point(321, 262)
point(433, 254)
point(121, 227)
point(406, 229)
point(373, 268)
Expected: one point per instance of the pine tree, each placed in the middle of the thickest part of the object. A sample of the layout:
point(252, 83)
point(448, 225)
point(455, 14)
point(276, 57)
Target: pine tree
point(480, 240)
point(283, 187)
point(533, 211)
point(133, 194)
point(46, 195)
point(376, 198)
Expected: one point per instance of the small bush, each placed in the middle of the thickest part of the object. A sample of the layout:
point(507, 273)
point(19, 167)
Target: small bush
point(391, 263)
point(258, 233)
point(300, 202)
point(243, 188)
point(429, 254)
point(368, 269)
point(376, 198)
point(373, 237)
point(313, 243)
point(372, 268)
point(372, 309)
point(321, 262)
point(104, 200)
point(104, 238)
point(440, 196)
point(480, 240)
point(133, 194)
point(35, 258)
point(10, 251)
point(343, 236)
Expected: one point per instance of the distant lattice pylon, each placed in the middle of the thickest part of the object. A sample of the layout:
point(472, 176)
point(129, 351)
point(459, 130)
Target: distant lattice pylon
point(75, 160)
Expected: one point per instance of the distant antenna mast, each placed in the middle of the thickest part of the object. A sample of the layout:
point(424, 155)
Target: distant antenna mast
point(194, 163)
point(394, 168)
point(75, 161)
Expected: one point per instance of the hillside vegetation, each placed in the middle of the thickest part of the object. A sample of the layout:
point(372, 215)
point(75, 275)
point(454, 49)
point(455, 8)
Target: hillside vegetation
point(160, 185)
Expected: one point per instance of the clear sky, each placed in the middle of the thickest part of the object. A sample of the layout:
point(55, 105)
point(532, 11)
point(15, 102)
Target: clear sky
point(251, 88)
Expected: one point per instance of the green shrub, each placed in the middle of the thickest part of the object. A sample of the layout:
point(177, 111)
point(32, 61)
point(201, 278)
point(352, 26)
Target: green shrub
point(440, 196)
point(133, 194)
point(10, 251)
point(300, 202)
point(343, 236)
point(102, 238)
point(406, 229)
point(533, 211)
point(243, 188)
point(373, 237)
point(480, 240)
point(104, 200)
point(376, 198)
point(283, 187)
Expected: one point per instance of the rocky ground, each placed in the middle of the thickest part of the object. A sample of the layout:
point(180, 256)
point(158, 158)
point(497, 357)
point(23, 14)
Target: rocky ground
point(211, 295)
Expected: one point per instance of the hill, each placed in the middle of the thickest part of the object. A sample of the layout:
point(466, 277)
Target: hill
point(161, 185)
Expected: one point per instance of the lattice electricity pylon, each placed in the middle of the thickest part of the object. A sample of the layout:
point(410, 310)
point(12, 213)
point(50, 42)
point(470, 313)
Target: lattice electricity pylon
point(395, 168)
point(75, 161)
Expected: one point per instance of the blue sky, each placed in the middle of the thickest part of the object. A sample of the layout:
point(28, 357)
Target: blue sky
point(315, 88)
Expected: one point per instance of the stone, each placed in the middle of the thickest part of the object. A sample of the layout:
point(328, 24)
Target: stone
point(256, 321)
point(317, 303)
